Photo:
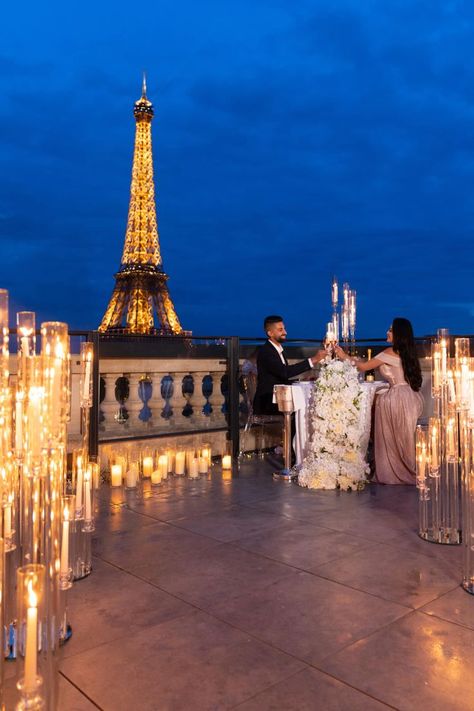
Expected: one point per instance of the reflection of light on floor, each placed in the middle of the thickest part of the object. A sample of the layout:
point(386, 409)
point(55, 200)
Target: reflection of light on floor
point(451, 664)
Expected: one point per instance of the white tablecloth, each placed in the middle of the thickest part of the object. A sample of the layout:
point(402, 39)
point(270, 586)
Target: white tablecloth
point(301, 396)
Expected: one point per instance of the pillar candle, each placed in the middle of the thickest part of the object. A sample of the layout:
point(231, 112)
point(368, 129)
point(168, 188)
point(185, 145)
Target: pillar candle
point(156, 476)
point(170, 453)
point(87, 497)
point(131, 477)
point(194, 469)
point(180, 463)
point(7, 521)
point(203, 465)
point(226, 461)
point(79, 485)
point(163, 465)
point(452, 389)
point(65, 544)
point(31, 650)
point(434, 449)
point(444, 358)
point(450, 444)
point(116, 475)
point(147, 466)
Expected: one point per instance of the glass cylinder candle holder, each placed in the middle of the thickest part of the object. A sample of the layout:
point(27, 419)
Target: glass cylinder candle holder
point(171, 454)
point(4, 339)
point(95, 470)
point(55, 363)
point(31, 614)
point(88, 498)
point(147, 466)
point(116, 475)
point(132, 476)
point(180, 462)
point(434, 446)
point(162, 460)
point(444, 345)
point(226, 462)
point(86, 382)
point(435, 369)
point(190, 457)
point(26, 333)
point(422, 457)
point(68, 512)
point(451, 437)
point(463, 369)
point(9, 522)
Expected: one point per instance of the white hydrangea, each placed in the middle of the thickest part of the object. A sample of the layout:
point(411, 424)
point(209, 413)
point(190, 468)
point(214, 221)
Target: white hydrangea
point(333, 457)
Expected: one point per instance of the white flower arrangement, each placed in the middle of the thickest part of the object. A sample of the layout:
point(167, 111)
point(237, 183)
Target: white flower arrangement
point(334, 459)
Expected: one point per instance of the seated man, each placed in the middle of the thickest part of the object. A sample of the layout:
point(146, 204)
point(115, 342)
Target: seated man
point(273, 368)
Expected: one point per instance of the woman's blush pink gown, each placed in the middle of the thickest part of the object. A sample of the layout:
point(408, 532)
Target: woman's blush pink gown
point(396, 413)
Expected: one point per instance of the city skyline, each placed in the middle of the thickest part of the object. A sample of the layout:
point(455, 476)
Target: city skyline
point(290, 144)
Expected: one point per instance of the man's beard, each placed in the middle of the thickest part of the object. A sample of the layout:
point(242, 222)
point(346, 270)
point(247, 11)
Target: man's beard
point(281, 339)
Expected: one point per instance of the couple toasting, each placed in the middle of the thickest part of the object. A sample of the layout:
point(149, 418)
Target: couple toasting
point(397, 409)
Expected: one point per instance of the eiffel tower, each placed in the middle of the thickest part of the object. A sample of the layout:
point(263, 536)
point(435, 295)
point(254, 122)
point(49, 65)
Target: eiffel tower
point(140, 302)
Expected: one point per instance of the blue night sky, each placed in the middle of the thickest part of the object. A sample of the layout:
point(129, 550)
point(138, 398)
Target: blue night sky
point(292, 140)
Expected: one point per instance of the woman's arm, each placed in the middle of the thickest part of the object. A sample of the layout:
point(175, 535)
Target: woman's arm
point(361, 365)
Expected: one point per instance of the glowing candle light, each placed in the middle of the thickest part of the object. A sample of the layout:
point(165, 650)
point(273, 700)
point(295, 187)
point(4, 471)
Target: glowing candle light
point(116, 475)
point(226, 461)
point(31, 640)
point(180, 463)
point(147, 466)
point(65, 543)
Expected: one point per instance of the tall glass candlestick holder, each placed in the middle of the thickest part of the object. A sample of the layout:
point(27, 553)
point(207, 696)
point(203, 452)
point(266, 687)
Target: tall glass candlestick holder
point(3, 645)
point(32, 674)
point(440, 514)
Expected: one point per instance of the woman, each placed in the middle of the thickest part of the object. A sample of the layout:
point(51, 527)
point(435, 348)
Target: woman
point(398, 408)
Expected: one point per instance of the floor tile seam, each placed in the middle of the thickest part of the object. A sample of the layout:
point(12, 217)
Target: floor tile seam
point(78, 688)
point(437, 616)
point(307, 663)
point(384, 543)
point(409, 608)
point(219, 540)
point(382, 628)
point(234, 544)
point(125, 635)
point(325, 673)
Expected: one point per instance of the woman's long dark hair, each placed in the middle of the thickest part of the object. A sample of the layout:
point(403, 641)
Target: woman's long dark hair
point(404, 346)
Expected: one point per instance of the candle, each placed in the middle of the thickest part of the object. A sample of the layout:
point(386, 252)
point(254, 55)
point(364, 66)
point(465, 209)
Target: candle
point(465, 386)
point(180, 463)
point(452, 389)
point(194, 469)
point(95, 474)
point(79, 485)
point(7, 521)
point(330, 333)
point(87, 496)
point(334, 293)
point(444, 358)
point(116, 475)
point(170, 453)
point(434, 449)
point(65, 544)
point(25, 344)
point(131, 477)
point(31, 641)
point(147, 466)
point(35, 402)
point(87, 378)
point(436, 369)
point(19, 421)
point(422, 463)
point(163, 466)
point(189, 459)
point(450, 444)
point(156, 477)
point(203, 465)
point(226, 461)
point(206, 453)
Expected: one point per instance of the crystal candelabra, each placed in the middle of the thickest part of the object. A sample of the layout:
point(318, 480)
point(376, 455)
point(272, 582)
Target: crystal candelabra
point(343, 324)
point(437, 446)
point(35, 511)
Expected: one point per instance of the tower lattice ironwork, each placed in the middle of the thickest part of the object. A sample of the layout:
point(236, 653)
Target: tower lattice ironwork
point(141, 303)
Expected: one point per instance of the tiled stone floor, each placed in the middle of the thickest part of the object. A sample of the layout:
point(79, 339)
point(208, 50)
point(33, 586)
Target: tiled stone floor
point(255, 594)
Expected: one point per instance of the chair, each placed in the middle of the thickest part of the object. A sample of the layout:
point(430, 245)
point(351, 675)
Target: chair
point(249, 383)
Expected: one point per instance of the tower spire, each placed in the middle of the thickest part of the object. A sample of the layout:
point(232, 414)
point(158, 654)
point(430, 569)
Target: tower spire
point(140, 302)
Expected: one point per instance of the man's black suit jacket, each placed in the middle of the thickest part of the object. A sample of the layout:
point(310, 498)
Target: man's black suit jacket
point(270, 372)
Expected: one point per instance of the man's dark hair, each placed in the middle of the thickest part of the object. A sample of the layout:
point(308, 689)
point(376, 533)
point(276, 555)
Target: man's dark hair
point(269, 320)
